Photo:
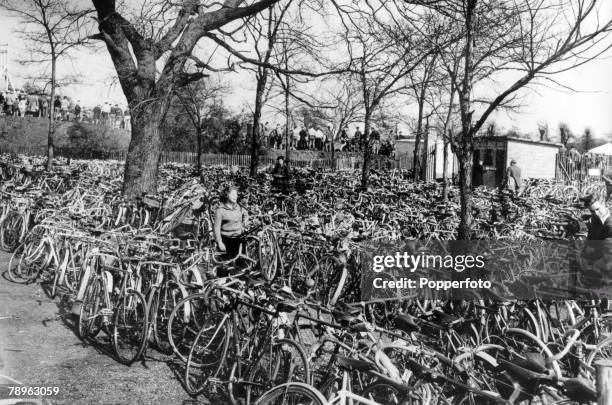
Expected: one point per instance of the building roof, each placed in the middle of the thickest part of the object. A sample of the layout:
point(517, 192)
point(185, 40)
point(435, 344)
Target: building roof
point(605, 149)
point(514, 139)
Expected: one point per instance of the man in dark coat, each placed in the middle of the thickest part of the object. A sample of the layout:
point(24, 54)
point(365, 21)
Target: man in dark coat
point(478, 174)
point(280, 175)
point(597, 252)
point(513, 180)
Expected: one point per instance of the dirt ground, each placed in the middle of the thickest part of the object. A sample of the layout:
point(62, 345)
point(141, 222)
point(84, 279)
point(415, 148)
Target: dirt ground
point(38, 346)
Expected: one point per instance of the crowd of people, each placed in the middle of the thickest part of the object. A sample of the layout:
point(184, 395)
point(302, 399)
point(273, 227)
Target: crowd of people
point(319, 138)
point(63, 108)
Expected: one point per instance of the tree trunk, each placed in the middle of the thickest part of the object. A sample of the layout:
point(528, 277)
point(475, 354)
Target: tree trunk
point(288, 138)
point(466, 145)
point(445, 144)
point(365, 170)
point(416, 161)
point(255, 139)
point(425, 160)
point(199, 147)
point(143, 154)
point(465, 190)
point(51, 130)
point(333, 147)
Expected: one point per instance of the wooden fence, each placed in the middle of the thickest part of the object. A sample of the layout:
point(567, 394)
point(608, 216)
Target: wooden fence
point(587, 168)
point(211, 159)
point(428, 163)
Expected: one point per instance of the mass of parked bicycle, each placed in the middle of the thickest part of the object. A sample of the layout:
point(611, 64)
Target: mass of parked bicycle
point(256, 293)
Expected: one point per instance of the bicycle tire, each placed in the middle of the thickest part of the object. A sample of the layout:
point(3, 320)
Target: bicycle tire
point(280, 369)
point(159, 314)
point(30, 264)
point(89, 324)
point(130, 327)
point(268, 251)
point(10, 230)
point(292, 390)
point(13, 265)
point(184, 323)
point(208, 353)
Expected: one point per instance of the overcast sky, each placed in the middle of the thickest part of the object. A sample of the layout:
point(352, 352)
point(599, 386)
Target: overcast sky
point(590, 107)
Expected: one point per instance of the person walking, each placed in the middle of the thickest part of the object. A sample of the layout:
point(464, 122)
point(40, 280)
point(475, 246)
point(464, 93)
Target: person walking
point(512, 180)
point(230, 222)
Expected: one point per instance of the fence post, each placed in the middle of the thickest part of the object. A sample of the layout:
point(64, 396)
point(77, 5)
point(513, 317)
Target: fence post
point(604, 382)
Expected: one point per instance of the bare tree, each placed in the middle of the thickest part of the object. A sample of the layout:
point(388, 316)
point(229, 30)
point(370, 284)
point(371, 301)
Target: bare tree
point(51, 29)
point(166, 37)
point(529, 40)
point(346, 106)
point(565, 134)
point(264, 32)
point(196, 99)
point(383, 48)
point(587, 139)
point(423, 80)
point(543, 131)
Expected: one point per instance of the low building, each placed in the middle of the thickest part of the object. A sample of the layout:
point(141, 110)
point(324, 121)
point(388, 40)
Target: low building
point(536, 159)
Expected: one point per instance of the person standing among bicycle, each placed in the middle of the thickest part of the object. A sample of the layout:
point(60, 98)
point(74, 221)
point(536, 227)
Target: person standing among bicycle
point(512, 180)
point(230, 221)
point(280, 175)
point(597, 250)
point(607, 178)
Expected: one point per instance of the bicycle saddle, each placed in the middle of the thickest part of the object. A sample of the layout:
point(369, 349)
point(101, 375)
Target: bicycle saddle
point(349, 309)
point(532, 361)
point(350, 364)
point(523, 374)
point(446, 319)
point(580, 390)
point(345, 318)
point(406, 323)
point(256, 281)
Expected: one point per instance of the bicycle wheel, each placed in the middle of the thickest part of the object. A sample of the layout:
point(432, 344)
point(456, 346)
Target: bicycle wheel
point(161, 306)
point(329, 268)
point(90, 323)
point(186, 321)
point(384, 393)
point(130, 327)
point(208, 353)
point(10, 230)
point(268, 254)
point(13, 267)
point(299, 271)
point(284, 361)
point(292, 393)
point(29, 264)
